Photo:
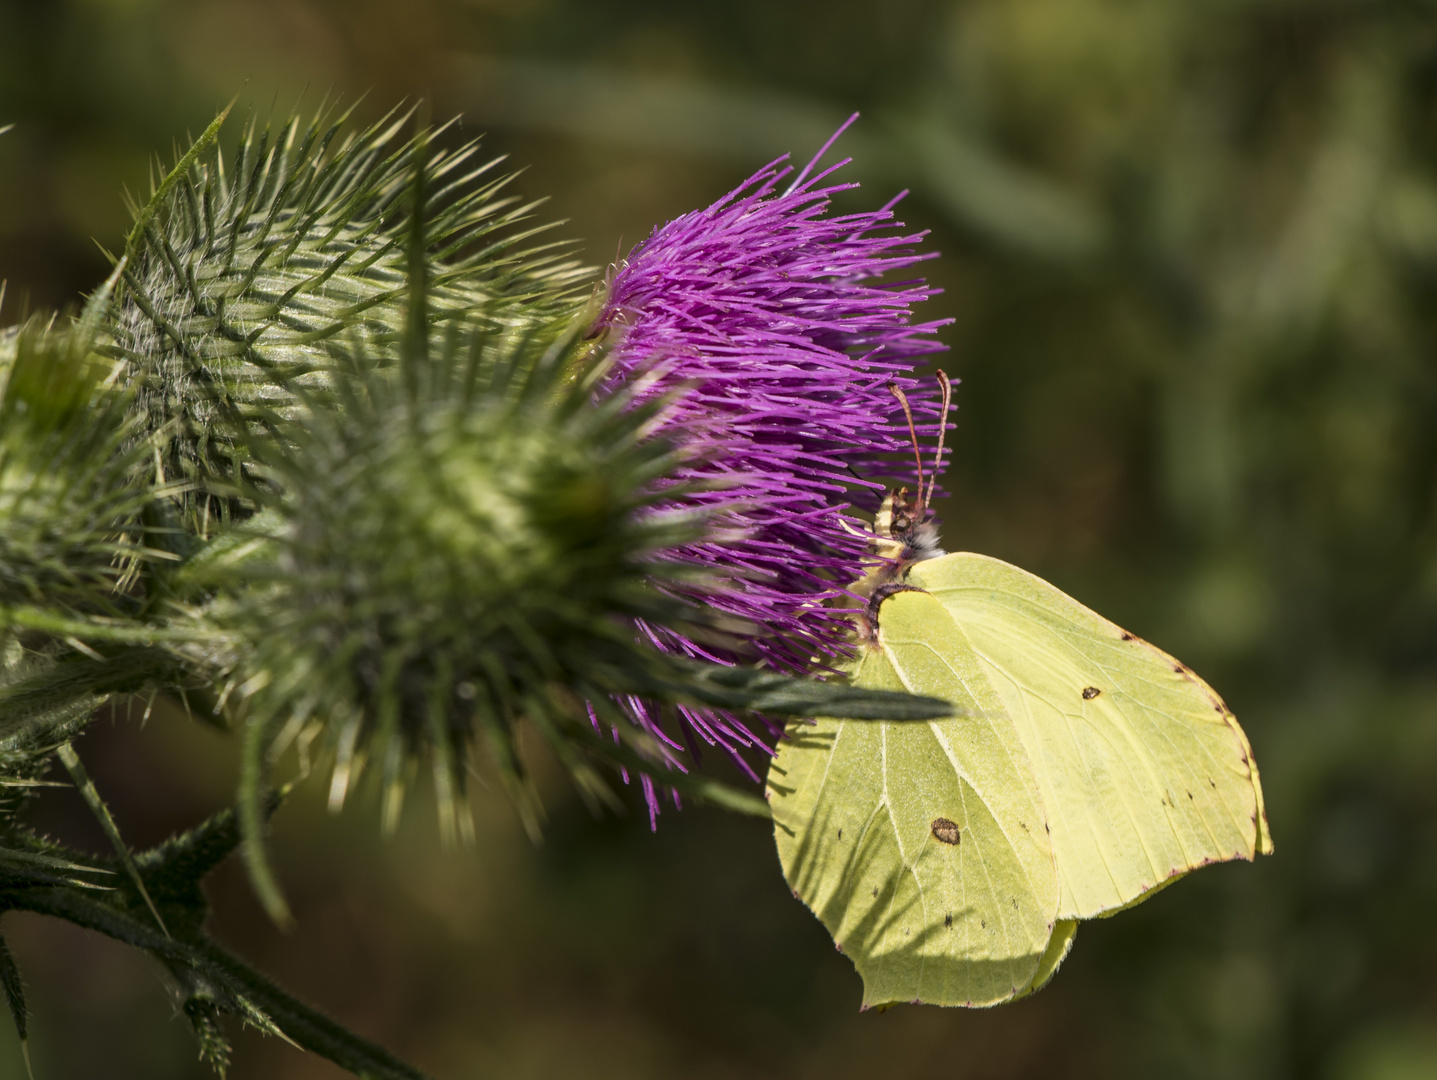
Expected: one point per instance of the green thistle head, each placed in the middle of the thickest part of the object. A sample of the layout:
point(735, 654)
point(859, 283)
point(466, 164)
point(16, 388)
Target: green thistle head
point(73, 478)
point(462, 542)
point(250, 275)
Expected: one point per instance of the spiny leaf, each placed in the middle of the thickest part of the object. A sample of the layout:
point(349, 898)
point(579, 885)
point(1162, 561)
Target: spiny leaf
point(14, 989)
point(99, 629)
point(39, 709)
point(771, 692)
point(20, 868)
point(203, 1013)
point(55, 693)
point(91, 795)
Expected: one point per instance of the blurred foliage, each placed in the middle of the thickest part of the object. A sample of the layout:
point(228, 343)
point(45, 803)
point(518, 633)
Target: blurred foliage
point(1191, 250)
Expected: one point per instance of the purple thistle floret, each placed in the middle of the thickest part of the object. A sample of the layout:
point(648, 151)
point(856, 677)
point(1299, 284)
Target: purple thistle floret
point(767, 315)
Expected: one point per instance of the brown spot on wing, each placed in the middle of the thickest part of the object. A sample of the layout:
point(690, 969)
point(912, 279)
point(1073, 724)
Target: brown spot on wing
point(946, 831)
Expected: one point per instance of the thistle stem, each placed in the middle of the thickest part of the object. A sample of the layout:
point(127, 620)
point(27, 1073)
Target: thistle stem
point(296, 1021)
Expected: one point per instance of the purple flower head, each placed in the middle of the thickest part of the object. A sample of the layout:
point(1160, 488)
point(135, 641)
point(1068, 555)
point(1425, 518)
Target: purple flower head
point(780, 327)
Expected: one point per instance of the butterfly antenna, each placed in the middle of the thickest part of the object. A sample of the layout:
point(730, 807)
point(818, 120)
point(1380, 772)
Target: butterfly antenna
point(897, 392)
point(942, 430)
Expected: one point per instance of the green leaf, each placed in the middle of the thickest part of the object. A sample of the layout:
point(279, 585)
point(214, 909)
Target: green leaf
point(174, 869)
point(203, 1013)
point(100, 630)
point(753, 690)
point(951, 860)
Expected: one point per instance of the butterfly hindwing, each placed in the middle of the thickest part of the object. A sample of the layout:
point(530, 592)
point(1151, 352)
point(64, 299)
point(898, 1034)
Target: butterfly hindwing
point(922, 847)
point(1144, 772)
point(1065, 931)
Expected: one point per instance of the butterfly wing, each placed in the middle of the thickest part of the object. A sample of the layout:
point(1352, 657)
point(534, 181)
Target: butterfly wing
point(922, 847)
point(1065, 931)
point(1144, 772)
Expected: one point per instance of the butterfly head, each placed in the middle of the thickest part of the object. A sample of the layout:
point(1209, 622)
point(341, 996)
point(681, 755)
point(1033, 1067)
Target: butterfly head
point(904, 530)
point(904, 533)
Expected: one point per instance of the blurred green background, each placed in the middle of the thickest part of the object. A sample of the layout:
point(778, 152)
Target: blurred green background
point(1191, 252)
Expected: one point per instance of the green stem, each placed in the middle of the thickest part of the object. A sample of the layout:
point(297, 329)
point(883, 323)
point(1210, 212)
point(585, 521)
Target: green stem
point(296, 1021)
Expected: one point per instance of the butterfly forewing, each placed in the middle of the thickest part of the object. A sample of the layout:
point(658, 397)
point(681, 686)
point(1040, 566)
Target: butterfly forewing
point(922, 847)
point(1143, 771)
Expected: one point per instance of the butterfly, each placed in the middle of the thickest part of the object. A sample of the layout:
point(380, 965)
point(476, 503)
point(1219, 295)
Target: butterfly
point(1081, 771)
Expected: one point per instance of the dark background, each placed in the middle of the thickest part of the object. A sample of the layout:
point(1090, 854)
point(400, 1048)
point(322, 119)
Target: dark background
point(1191, 252)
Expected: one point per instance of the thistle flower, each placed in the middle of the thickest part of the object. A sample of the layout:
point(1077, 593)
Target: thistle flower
point(456, 532)
point(768, 313)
